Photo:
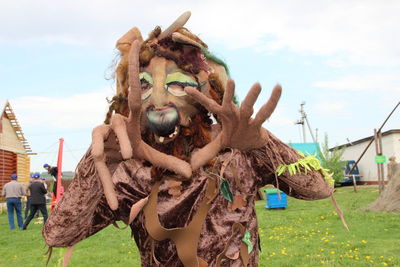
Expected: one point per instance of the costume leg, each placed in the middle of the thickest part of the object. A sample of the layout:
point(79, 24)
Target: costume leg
point(18, 208)
point(10, 212)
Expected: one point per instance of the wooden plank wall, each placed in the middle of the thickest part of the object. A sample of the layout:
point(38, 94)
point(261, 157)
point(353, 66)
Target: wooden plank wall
point(23, 168)
point(8, 166)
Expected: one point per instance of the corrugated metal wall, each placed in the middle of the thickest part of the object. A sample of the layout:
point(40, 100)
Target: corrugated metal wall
point(8, 166)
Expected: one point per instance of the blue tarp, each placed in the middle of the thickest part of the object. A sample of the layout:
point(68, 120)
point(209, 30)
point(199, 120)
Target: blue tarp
point(307, 148)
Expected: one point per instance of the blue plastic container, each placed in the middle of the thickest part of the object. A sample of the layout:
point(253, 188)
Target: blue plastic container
point(275, 200)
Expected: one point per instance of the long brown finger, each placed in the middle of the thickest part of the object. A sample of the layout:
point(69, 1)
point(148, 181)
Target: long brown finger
point(229, 92)
point(208, 103)
point(136, 208)
point(246, 107)
point(205, 154)
point(266, 110)
point(119, 127)
point(99, 134)
point(162, 160)
point(134, 96)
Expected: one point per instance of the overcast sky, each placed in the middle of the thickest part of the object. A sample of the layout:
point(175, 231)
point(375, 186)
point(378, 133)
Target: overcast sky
point(341, 58)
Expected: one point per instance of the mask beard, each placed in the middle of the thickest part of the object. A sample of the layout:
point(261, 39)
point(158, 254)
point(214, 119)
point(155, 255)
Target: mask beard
point(196, 135)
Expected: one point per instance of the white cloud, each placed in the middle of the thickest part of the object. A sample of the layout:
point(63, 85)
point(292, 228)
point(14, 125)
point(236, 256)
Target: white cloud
point(72, 112)
point(333, 108)
point(382, 81)
point(360, 32)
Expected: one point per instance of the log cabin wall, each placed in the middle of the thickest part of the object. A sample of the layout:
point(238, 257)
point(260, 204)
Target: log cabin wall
point(8, 166)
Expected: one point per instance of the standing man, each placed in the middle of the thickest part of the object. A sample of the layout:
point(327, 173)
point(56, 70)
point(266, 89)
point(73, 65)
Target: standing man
point(38, 200)
point(43, 181)
point(28, 198)
point(13, 191)
point(53, 171)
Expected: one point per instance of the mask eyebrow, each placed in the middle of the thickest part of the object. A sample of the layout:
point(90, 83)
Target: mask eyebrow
point(146, 76)
point(179, 77)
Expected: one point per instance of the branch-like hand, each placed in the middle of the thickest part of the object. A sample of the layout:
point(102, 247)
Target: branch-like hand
point(239, 129)
point(128, 132)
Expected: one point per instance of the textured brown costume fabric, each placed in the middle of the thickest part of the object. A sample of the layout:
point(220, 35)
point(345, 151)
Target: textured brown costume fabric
point(84, 211)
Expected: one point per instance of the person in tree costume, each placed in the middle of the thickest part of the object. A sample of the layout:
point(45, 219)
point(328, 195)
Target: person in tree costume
point(186, 186)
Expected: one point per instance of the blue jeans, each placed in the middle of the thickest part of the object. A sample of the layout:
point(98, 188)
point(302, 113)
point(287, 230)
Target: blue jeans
point(14, 203)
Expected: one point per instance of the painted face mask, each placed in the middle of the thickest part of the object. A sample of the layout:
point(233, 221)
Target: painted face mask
point(170, 62)
point(165, 104)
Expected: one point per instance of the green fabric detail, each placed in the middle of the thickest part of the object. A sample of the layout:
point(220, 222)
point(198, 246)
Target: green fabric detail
point(211, 57)
point(247, 240)
point(306, 164)
point(146, 76)
point(219, 61)
point(236, 101)
point(226, 191)
point(180, 78)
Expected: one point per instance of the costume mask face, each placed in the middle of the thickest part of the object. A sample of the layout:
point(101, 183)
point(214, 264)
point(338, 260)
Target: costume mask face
point(170, 61)
point(165, 104)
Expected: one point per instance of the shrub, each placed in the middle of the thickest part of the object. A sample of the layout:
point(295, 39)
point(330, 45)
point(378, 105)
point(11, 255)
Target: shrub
point(330, 159)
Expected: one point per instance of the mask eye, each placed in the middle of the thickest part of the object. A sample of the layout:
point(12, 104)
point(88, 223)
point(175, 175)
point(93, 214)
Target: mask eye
point(178, 88)
point(176, 82)
point(146, 84)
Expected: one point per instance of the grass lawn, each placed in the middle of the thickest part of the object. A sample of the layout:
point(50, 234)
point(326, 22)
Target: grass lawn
point(304, 234)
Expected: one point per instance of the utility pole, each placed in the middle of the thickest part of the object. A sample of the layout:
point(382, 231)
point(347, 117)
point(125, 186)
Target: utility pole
point(301, 121)
point(304, 120)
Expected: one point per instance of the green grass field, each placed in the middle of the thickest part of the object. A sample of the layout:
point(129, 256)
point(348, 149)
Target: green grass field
point(304, 234)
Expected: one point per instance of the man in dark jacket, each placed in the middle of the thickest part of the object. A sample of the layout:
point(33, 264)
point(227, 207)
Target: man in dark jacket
point(38, 200)
point(53, 171)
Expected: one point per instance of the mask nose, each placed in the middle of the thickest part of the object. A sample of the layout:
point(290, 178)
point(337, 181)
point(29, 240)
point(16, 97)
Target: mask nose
point(159, 96)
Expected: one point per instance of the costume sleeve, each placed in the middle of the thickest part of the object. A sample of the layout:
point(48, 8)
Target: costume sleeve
point(82, 211)
point(265, 160)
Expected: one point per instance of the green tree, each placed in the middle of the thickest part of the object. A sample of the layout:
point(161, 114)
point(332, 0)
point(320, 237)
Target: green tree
point(330, 159)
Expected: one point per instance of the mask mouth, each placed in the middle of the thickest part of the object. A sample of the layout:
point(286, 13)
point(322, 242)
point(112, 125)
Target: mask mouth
point(163, 122)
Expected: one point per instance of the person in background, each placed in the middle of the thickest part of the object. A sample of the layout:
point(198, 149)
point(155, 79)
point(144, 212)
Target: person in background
point(53, 171)
point(43, 181)
point(13, 191)
point(38, 200)
point(28, 198)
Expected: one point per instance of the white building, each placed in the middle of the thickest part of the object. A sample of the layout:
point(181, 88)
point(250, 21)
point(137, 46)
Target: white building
point(367, 166)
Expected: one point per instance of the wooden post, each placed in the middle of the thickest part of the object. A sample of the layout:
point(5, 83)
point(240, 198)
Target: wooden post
point(354, 183)
point(382, 167)
point(378, 165)
point(59, 167)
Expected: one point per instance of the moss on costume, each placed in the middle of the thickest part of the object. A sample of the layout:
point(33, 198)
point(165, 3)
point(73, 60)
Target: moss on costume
point(305, 164)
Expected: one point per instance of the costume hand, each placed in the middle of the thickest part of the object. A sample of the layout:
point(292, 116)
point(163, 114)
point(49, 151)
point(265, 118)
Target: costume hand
point(239, 130)
point(128, 133)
